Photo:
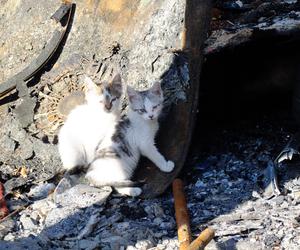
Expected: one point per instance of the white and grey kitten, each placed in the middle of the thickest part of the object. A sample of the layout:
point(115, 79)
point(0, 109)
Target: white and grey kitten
point(134, 136)
point(89, 124)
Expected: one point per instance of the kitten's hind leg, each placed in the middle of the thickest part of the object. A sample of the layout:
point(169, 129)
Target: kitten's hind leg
point(69, 155)
point(105, 171)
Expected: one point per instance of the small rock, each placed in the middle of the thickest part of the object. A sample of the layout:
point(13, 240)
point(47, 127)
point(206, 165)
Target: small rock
point(271, 240)
point(200, 184)
point(157, 221)
point(284, 204)
point(9, 237)
point(279, 200)
point(131, 248)
point(144, 244)
point(228, 244)
point(167, 225)
point(158, 210)
point(7, 147)
point(41, 191)
point(88, 244)
point(114, 239)
point(280, 233)
point(25, 150)
point(83, 196)
point(18, 134)
point(122, 226)
point(28, 46)
point(27, 222)
point(248, 245)
point(296, 195)
point(255, 194)
point(6, 227)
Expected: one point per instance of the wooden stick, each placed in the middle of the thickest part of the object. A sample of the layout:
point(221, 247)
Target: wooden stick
point(182, 216)
point(203, 239)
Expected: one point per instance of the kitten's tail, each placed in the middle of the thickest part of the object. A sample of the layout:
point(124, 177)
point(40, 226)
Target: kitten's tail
point(120, 184)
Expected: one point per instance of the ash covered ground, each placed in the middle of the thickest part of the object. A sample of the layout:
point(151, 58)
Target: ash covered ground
point(228, 183)
point(224, 187)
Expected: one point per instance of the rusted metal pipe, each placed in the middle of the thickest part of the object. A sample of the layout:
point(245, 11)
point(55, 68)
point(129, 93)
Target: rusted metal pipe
point(182, 216)
point(203, 239)
point(183, 222)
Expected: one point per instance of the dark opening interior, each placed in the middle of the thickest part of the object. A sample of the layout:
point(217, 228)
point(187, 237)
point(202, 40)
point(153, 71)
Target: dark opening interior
point(246, 91)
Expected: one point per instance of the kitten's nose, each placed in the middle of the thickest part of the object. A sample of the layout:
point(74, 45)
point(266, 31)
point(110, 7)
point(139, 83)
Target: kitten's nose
point(151, 117)
point(108, 106)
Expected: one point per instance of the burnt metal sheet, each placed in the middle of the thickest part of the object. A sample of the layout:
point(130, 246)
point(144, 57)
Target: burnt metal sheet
point(176, 132)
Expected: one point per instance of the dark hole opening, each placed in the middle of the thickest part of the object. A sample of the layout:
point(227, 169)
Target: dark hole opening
point(246, 91)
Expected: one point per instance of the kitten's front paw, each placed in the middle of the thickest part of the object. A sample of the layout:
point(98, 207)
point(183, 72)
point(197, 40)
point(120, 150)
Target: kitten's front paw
point(135, 192)
point(169, 166)
point(130, 191)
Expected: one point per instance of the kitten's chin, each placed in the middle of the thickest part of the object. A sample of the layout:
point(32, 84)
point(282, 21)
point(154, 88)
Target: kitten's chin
point(150, 119)
point(111, 110)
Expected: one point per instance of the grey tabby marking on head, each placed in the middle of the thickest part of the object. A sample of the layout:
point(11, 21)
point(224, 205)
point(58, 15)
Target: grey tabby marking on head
point(112, 91)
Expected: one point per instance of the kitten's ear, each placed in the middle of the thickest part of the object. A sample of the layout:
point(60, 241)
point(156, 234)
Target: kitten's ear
point(117, 83)
point(117, 79)
point(91, 87)
point(132, 94)
point(156, 89)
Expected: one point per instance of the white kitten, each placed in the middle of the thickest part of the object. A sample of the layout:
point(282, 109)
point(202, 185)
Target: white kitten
point(88, 124)
point(134, 136)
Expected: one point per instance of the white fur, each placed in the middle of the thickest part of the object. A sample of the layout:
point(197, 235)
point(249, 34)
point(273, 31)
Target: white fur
point(140, 136)
point(89, 128)
point(86, 126)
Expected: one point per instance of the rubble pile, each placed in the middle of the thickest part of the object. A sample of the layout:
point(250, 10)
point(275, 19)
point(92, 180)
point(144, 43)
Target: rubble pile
point(224, 189)
point(228, 193)
point(237, 23)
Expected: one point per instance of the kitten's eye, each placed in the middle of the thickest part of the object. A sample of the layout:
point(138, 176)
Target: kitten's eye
point(141, 111)
point(112, 100)
point(155, 107)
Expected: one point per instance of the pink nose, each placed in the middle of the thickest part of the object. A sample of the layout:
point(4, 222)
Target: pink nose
point(108, 106)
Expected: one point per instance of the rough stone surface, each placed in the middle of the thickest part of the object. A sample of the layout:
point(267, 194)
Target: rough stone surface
point(223, 176)
point(82, 196)
point(138, 42)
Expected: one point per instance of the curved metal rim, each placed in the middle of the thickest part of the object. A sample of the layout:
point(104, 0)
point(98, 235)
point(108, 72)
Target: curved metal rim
point(48, 51)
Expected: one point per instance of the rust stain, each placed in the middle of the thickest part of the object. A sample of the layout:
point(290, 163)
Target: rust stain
point(119, 13)
point(92, 5)
point(115, 6)
point(117, 19)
